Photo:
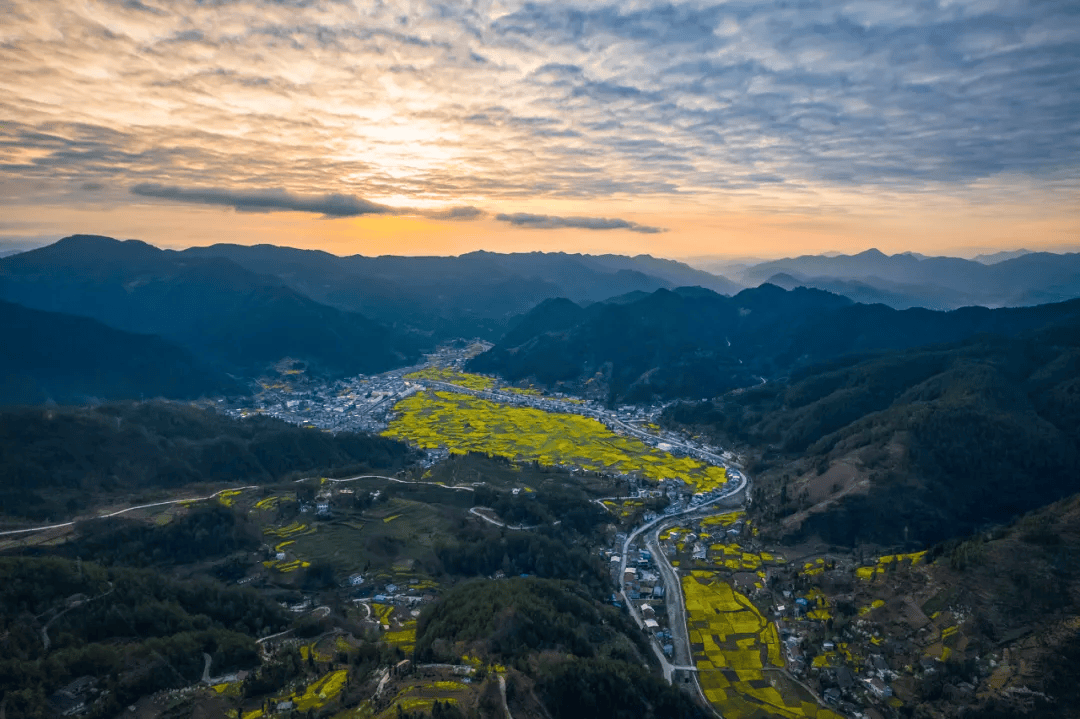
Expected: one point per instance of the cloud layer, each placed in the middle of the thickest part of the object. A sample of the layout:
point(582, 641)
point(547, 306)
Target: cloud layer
point(552, 222)
point(264, 200)
point(276, 199)
point(499, 103)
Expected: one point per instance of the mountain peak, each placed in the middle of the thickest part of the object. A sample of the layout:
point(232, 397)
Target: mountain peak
point(872, 253)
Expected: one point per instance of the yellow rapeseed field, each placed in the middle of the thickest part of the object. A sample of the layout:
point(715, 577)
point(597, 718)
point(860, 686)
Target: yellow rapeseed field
point(737, 652)
point(463, 423)
point(452, 376)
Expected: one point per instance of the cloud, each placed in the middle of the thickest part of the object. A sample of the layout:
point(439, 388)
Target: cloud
point(277, 200)
point(264, 200)
point(552, 222)
point(455, 213)
point(594, 99)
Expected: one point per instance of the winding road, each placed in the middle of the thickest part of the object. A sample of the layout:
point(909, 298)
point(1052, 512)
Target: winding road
point(125, 510)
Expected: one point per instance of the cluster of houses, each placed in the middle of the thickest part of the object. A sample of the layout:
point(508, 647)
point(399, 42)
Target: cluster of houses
point(644, 587)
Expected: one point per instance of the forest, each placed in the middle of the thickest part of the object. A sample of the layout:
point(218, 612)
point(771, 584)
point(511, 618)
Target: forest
point(206, 532)
point(55, 460)
point(546, 553)
point(584, 656)
point(135, 631)
point(894, 416)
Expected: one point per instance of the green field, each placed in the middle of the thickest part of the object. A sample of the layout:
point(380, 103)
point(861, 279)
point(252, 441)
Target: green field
point(463, 423)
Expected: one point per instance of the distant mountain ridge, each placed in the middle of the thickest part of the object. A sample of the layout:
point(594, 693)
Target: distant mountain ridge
point(221, 312)
point(474, 294)
point(1007, 279)
point(693, 343)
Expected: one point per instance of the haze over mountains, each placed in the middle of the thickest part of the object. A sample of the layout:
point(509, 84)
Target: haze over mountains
point(474, 293)
point(235, 309)
point(650, 327)
point(1004, 279)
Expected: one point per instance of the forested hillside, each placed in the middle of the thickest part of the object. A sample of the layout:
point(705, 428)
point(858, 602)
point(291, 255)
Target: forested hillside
point(584, 657)
point(692, 343)
point(53, 461)
point(66, 359)
point(224, 314)
point(132, 631)
point(911, 446)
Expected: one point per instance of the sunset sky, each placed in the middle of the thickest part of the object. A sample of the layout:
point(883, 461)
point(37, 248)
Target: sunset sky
point(763, 127)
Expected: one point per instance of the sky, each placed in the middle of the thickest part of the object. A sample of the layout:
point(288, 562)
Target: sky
point(678, 129)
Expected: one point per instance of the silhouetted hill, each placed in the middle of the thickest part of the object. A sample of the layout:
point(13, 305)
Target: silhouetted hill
point(474, 294)
point(67, 359)
point(693, 343)
point(222, 312)
point(585, 658)
point(910, 280)
point(672, 344)
point(913, 446)
point(54, 461)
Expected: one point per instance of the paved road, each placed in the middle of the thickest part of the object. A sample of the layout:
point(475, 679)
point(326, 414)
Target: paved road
point(392, 479)
point(678, 628)
point(521, 527)
point(125, 510)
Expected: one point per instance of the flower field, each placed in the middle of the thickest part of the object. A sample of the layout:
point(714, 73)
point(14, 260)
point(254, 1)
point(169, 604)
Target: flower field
point(463, 423)
point(738, 655)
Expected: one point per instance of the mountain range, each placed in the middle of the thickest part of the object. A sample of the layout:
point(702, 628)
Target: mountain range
point(474, 294)
point(1006, 279)
point(224, 314)
point(694, 343)
point(239, 309)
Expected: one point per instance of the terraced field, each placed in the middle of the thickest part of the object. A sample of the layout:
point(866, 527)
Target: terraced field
point(869, 573)
point(738, 655)
point(463, 423)
point(313, 697)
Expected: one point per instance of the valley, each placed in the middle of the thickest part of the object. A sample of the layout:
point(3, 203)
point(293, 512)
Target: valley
point(668, 503)
point(679, 534)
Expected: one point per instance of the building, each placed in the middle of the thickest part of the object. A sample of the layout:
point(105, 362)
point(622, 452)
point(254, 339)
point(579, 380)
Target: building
point(879, 688)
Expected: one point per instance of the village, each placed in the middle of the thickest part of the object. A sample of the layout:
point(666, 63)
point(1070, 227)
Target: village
point(849, 630)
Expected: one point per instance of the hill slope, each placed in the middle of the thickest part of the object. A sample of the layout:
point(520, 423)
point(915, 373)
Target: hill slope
point(912, 446)
point(692, 343)
point(213, 307)
point(68, 359)
point(54, 462)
